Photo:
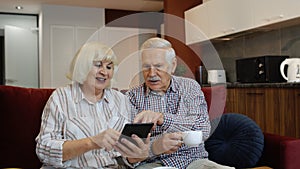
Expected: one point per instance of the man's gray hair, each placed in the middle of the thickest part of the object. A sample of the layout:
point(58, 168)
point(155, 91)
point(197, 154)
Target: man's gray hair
point(159, 43)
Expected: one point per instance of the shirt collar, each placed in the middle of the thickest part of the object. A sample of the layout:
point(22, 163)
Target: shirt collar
point(79, 96)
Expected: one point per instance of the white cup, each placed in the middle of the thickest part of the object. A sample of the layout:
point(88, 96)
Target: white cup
point(192, 138)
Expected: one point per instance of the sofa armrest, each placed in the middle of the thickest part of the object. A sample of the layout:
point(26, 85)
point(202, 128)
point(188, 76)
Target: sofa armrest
point(280, 152)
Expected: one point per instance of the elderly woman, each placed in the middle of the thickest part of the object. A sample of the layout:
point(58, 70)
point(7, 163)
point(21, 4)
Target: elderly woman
point(81, 122)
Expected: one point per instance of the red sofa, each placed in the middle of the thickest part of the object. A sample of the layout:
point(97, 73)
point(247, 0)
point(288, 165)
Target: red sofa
point(20, 117)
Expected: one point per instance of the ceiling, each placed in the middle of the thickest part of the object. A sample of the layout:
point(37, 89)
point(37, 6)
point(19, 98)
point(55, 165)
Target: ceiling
point(34, 6)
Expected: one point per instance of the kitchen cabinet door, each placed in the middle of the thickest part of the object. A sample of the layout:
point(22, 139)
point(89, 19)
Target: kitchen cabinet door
point(232, 101)
point(297, 111)
point(290, 9)
point(216, 19)
point(219, 18)
point(196, 24)
point(228, 17)
point(265, 13)
point(247, 101)
point(286, 108)
point(272, 110)
point(258, 104)
point(252, 103)
point(272, 11)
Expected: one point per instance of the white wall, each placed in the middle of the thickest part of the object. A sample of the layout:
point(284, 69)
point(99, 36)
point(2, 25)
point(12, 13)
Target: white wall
point(126, 43)
point(63, 29)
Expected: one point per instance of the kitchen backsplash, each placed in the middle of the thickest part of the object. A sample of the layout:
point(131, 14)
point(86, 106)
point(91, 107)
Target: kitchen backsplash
point(284, 41)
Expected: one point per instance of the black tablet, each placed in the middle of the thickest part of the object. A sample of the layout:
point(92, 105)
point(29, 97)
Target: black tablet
point(140, 129)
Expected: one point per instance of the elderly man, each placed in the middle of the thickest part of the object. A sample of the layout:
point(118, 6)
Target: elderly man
point(174, 104)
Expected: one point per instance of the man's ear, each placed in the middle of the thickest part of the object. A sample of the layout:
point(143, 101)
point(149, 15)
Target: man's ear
point(174, 65)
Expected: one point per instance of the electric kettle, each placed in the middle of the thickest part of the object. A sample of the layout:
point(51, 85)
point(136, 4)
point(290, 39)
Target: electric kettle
point(293, 69)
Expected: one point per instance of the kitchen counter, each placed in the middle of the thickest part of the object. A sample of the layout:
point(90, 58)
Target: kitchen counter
point(262, 85)
point(256, 85)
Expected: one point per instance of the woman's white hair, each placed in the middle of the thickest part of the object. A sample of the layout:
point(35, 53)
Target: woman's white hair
point(159, 43)
point(85, 57)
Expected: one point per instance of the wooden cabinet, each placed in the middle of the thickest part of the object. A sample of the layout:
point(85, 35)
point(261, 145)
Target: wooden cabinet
point(297, 110)
point(253, 101)
point(271, 111)
point(250, 102)
point(231, 100)
point(275, 110)
point(287, 112)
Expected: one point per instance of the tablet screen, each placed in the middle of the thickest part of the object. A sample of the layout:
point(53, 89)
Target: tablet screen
point(139, 129)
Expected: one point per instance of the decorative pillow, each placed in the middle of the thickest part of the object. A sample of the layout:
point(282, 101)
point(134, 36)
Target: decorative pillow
point(237, 141)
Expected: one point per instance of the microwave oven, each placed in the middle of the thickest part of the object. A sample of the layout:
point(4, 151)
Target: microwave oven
point(261, 69)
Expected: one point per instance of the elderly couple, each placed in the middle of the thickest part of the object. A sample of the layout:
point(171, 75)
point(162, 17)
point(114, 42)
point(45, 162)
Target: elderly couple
point(82, 122)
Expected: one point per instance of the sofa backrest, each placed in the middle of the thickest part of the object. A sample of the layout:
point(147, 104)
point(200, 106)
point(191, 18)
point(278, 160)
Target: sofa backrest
point(20, 121)
point(215, 97)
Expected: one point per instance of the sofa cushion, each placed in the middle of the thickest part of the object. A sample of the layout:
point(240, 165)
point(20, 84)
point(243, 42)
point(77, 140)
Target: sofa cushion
point(237, 141)
point(20, 121)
